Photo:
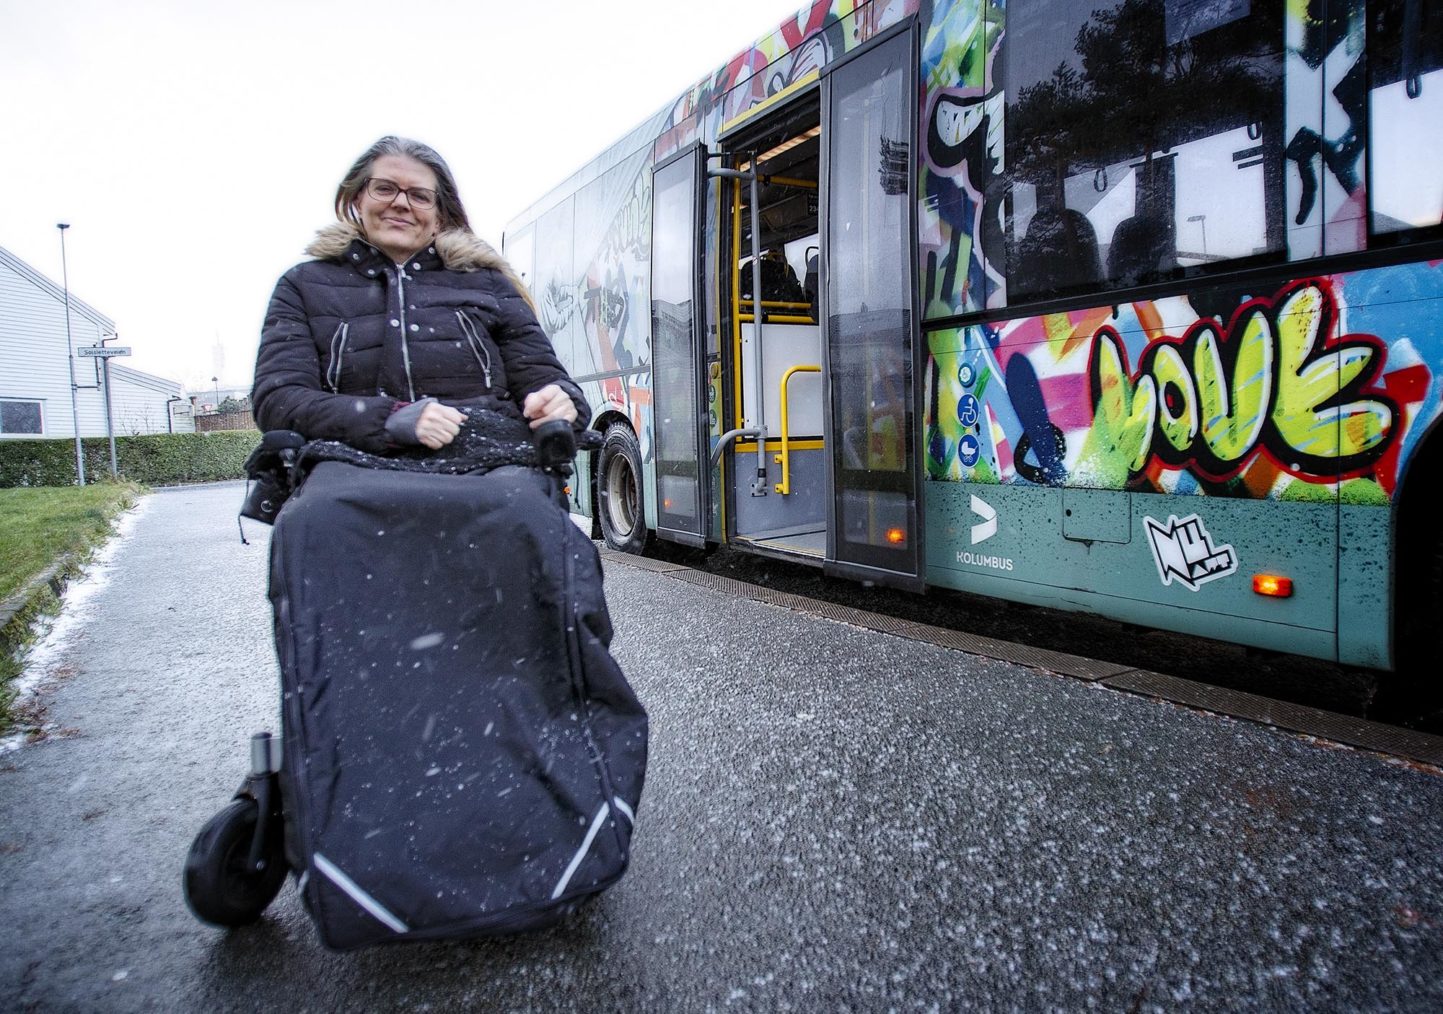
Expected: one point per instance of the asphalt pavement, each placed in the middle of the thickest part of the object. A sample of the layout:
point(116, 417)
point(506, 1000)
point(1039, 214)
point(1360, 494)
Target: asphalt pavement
point(834, 819)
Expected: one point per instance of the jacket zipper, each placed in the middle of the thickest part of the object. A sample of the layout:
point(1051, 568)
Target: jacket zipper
point(401, 316)
point(478, 348)
point(338, 352)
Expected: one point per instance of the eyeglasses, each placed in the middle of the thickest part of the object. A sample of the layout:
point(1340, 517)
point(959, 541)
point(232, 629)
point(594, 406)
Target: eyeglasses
point(385, 190)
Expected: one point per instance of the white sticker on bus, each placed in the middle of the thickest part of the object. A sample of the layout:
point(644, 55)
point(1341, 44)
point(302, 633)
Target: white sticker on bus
point(1184, 552)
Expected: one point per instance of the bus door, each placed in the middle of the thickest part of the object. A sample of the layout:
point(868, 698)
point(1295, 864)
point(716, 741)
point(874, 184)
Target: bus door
point(870, 325)
point(679, 405)
point(773, 450)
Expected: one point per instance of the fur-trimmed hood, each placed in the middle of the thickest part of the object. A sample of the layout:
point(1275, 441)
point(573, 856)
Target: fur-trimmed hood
point(459, 250)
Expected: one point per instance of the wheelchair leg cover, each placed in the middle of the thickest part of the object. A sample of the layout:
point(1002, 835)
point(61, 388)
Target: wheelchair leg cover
point(463, 756)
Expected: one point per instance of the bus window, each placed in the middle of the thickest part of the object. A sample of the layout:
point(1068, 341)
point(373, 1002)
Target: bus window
point(1142, 140)
point(1405, 109)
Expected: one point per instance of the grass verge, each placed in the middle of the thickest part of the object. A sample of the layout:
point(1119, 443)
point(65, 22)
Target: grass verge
point(46, 527)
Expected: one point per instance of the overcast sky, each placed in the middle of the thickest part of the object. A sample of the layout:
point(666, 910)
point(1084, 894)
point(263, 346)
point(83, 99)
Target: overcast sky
point(195, 147)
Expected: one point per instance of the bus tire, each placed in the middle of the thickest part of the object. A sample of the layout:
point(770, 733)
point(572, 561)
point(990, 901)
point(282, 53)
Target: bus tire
point(618, 491)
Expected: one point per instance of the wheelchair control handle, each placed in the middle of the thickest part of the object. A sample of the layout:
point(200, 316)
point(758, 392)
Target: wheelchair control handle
point(555, 443)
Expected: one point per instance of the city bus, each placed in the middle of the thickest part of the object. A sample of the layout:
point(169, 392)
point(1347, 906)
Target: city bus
point(1132, 307)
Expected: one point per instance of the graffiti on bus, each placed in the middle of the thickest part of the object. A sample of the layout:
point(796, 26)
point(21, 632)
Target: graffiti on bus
point(592, 317)
point(803, 44)
point(1294, 391)
point(962, 146)
point(1067, 150)
point(1325, 53)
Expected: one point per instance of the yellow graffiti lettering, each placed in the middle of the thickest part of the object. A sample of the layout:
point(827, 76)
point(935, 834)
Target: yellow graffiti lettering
point(1307, 380)
point(1283, 380)
point(1233, 408)
point(1124, 413)
point(1169, 372)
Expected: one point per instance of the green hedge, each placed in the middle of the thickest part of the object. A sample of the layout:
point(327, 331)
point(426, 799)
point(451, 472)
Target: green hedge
point(158, 459)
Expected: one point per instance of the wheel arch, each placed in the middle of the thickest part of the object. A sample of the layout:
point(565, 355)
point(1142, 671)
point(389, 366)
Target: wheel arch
point(1417, 543)
point(603, 422)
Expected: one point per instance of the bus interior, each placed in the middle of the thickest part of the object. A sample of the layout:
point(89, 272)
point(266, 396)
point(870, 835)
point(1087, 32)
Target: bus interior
point(786, 515)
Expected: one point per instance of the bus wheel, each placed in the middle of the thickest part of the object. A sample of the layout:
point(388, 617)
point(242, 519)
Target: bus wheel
point(618, 491)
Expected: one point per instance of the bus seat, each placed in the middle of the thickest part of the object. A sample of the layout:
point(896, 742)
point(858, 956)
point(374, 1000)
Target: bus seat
point(809, 284)
point(1139, 252)
point(779, 281)
point(1056, 254)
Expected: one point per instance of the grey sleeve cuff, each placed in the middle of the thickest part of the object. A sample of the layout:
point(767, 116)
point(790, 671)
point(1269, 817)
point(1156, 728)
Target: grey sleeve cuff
point(401, 425)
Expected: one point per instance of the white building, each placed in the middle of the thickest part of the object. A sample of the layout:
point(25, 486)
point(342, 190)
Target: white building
point(35, 370)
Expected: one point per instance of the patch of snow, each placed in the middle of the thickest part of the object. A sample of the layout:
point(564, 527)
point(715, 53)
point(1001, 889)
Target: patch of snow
point(58, 631)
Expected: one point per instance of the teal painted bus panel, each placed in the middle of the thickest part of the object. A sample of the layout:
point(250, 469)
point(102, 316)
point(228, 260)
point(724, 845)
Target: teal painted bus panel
point(1365, 586)
point(1190, 571)
point(1095, 515)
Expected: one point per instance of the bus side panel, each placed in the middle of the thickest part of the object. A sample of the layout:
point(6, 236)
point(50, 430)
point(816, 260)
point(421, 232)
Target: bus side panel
point(1366, 595)
point(593, 282)
point(1189, 573)
point(1250, 432)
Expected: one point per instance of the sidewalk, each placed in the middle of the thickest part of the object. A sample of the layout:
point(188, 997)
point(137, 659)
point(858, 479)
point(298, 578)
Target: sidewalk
point(835, 818)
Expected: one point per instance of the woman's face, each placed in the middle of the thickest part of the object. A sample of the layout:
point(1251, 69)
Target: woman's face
point(397, 227)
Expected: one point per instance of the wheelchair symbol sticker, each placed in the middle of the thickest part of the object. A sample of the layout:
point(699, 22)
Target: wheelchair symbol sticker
point(969, 448)
point(969, 411)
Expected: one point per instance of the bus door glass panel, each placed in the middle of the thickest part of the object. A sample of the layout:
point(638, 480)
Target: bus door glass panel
point(717, 199)
point(1405, 115)
point(679, 411)
point(869, 296)
point(1143, 138)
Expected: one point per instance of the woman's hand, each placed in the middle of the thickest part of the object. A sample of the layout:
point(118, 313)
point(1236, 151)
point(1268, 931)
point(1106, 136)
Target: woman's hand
point(549, 403)
point(438, 425)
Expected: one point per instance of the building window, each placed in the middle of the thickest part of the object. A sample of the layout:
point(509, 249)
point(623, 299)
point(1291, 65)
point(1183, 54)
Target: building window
point(20, 417)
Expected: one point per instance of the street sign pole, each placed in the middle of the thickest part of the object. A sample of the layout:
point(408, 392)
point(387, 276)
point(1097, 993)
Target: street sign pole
point(105, 355)
point(109, 426)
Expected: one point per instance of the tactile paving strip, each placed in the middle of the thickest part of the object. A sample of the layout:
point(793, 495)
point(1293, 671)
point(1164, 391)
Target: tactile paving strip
point(1343, 729)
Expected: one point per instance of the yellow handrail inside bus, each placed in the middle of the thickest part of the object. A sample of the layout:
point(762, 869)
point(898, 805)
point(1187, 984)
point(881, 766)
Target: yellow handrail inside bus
point(777, 303)
point(788, 181)
point(785, 486)
point(775, 318)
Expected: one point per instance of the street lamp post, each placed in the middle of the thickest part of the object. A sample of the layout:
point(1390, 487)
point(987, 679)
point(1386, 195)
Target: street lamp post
point(216, 382)
point(1202, 221)
point(70, 358)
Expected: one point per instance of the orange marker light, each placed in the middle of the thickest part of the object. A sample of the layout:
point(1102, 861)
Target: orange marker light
point(666, 503)
point(896, 536)
point(1273, 585)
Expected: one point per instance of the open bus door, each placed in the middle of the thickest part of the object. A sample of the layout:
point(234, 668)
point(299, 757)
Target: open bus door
point(821, 438)
point(679, 406)
point(875, 525)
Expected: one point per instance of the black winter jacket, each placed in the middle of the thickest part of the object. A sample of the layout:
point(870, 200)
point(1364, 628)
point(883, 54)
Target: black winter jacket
point(351, 337)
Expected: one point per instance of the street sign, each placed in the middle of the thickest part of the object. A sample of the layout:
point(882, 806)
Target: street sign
point(100, 352)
